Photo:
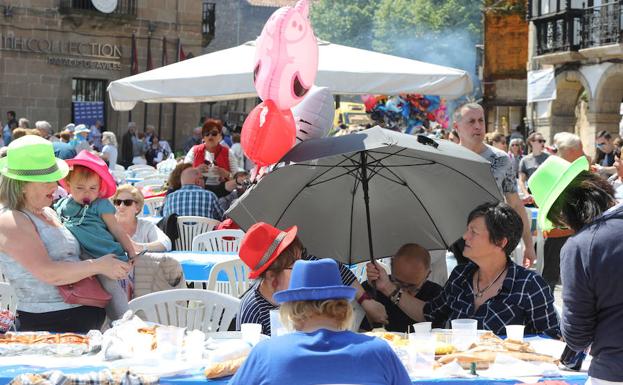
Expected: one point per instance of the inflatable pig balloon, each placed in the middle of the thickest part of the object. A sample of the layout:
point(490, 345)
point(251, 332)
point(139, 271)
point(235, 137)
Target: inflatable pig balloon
point(286, 56)
point(314, 115)
point(267, 133)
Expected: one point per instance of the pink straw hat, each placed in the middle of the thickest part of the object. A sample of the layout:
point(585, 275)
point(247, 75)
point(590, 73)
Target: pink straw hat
point(98, 166)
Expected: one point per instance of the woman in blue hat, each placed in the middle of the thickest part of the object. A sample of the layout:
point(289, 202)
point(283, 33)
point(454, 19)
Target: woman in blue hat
point(321, 350)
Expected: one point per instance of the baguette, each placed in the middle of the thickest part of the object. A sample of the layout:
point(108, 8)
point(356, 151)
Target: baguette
point(222, 369)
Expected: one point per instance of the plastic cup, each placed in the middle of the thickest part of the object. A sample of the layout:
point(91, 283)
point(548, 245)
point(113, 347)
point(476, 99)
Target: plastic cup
point(421, 353)
point(169, 340)
point(276, 327)
point(422, 327)
point(251, 333)
point(464, 333)
point(515, 332)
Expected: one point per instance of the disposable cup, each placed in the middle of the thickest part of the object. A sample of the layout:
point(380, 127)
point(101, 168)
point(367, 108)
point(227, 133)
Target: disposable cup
point(515, 332)
point(276, 326)
point(251, 333)
point(421, 353)
point(169, 340)
point(422, 327)
point(464, 333)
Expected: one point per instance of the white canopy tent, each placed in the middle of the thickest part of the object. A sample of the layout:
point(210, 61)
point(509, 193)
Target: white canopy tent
point(228, 74)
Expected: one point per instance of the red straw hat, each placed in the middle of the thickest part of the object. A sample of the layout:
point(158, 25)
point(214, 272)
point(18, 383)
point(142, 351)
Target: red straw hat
point(262, 244)
point(98, 166)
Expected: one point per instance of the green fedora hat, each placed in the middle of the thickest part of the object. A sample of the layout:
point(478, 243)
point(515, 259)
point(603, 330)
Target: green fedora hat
point(31, 158)
point(550, 180)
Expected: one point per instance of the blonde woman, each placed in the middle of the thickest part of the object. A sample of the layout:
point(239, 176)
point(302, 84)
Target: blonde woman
point(145, 235)
point(321, 350)
point(109, 152)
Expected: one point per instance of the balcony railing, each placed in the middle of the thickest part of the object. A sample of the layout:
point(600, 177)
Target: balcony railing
point(558, 32)
point(573, 29)
point(601, 25)
point(125, 8)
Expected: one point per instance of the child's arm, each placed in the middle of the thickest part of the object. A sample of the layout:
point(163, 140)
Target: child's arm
point(120, 235)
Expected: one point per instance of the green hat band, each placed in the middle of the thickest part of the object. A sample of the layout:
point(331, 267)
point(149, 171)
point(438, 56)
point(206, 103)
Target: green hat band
point(43, 171)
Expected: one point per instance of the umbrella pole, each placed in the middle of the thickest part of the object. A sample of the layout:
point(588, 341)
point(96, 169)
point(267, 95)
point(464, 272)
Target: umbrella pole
point(366, 200)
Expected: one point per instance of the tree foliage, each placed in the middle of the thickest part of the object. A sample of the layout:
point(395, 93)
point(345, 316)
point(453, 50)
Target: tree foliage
point(347, 22)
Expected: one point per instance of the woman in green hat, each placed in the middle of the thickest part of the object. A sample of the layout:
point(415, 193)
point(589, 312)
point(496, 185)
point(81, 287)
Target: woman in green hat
point(591, 261)
point(36, 252)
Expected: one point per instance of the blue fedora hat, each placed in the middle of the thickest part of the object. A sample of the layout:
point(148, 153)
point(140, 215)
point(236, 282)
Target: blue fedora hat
point(315, 281)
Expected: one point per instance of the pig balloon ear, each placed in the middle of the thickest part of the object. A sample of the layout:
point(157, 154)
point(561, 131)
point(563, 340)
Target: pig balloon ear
point(303, 7)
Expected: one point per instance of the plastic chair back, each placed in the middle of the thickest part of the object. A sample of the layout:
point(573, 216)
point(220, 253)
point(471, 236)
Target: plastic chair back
point(203, 310)
point(191, 226)
point(225, 241)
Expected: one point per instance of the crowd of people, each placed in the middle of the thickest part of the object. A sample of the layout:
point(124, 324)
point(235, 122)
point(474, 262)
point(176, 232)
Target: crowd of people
point(93, 229)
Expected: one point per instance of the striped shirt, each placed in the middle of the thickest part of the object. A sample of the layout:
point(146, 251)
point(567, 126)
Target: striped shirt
point(191, 200)
point(255, 308)
point(524, 299)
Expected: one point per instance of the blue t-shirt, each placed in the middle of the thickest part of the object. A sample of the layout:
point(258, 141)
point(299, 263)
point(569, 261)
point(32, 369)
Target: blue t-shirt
point(86, 224)
point(322, 357)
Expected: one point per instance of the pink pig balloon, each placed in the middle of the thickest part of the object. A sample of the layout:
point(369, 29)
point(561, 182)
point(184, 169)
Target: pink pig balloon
point(286, 56)
point(267, 133)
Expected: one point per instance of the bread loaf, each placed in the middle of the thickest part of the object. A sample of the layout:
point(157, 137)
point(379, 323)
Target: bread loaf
point(222, 369)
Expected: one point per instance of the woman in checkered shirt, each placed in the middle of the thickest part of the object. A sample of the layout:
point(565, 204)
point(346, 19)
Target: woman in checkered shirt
point(490, 288)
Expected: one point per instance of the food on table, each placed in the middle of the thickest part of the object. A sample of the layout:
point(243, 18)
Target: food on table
point(43, 338)
point(398, 340)
point(484, 352)
point(225, 368)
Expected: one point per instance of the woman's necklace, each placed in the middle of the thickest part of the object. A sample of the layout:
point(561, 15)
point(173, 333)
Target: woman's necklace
point(480, 292)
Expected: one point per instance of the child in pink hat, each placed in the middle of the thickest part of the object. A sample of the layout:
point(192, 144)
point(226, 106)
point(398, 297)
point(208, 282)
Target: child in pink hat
point(90, 217)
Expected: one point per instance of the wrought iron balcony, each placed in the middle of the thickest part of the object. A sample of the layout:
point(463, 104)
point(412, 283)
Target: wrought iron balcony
point(573, 29)
point(601, 25)
point(558, 32)
point(125, 8)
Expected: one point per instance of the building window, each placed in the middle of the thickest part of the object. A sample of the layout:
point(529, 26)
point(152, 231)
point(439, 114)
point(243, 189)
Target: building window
point(124, 7)
point(208, 19)
point(88, 90)
point(88, 101)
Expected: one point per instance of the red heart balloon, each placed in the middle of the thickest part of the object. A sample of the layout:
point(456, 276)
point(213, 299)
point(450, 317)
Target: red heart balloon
point(268, 133)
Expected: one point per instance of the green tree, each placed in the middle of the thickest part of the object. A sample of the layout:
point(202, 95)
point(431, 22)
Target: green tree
point(347, 22)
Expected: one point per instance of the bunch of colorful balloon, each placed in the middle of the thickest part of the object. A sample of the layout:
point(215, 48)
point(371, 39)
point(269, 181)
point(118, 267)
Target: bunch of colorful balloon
point(407, 112)
point(285, 66)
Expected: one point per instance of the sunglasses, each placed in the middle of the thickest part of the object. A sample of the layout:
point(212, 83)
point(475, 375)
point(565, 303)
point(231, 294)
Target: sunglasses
point(542, 141)
point(600, 144)
point(212, 133)
point(514, 145)
point(126, 202)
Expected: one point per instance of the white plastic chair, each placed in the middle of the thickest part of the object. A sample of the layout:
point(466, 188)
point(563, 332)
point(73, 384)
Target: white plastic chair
point(136, 167)
point(119, 176)
point(360, 270)
point(189, 227)
point(237, 278)
point(119, 167)
point(152, 205)
point(204, 310)
point(145, 174)
point(158, 182)
point(225, 241)
point(358, 316)
point(8, 300)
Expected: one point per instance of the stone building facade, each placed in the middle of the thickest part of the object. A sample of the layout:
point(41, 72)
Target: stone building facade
point(582, 41)
point(57, 52)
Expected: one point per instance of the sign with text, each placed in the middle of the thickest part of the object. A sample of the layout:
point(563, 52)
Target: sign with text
point(88, 113)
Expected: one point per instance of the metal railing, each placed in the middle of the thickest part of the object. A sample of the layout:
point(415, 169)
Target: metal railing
point(125, 8)
point(601, 25)
point(573, 29)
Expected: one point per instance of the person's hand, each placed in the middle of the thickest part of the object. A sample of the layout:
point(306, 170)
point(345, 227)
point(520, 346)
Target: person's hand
point(222, 173)
point(529, 256)
point(375, 311)
point(527, 200)
point(379, 276)
point(203, 168)
point(111, 267)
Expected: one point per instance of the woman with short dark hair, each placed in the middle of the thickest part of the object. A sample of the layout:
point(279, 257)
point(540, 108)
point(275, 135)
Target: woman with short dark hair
point(590, 261)
point(490, 288)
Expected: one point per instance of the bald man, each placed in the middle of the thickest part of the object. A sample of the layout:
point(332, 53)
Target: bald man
point(410, 269)
point(192, 198)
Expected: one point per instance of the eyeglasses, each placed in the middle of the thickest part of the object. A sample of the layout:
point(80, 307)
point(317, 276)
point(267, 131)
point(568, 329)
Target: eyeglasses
point(514, 145)
point(410, 287)
point(126, 202)
point(212, 133)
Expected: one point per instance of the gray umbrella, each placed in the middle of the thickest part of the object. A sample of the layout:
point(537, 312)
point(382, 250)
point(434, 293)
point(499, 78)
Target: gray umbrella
point(365, 194)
